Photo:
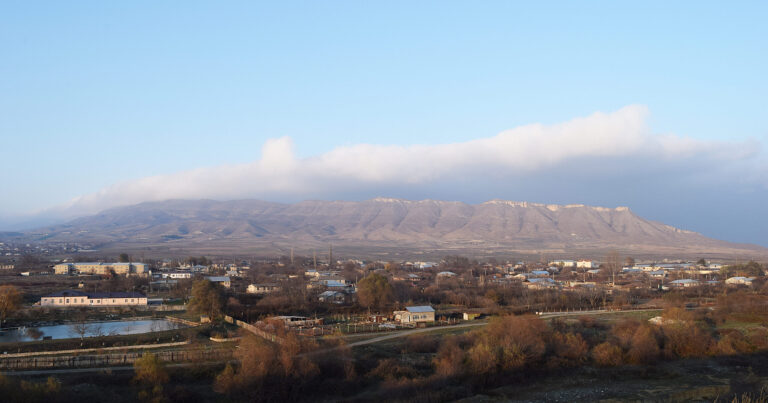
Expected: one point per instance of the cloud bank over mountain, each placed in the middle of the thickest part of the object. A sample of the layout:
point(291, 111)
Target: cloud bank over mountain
point(604, 159)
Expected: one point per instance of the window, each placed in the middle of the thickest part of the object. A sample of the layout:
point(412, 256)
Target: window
point(67, 300)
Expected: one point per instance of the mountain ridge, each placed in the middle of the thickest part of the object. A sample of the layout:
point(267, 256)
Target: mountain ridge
point(388, 222)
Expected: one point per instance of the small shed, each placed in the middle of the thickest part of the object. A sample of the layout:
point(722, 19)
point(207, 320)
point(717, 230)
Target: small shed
point(470, 316)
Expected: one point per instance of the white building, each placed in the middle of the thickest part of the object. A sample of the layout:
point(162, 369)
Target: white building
point(415, 315)
point(685, 283)
point(335, 297)
point(101, 268)
point(739, 281)
point(177, 275)
point(73, 298)
point(587, 264)
point(541, 283)
point(262, 288)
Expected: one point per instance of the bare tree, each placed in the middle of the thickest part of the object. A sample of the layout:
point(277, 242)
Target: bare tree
point(80, 327)
point(613, 262)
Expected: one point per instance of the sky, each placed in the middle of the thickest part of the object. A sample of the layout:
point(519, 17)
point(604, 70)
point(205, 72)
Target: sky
point(658, 106)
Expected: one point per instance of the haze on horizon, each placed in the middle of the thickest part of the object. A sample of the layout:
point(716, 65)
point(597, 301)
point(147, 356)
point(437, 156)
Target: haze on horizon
point(656, 106)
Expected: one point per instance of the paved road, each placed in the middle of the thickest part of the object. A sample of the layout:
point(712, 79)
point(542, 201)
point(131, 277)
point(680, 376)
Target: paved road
point(405, 333)
point(546, 315)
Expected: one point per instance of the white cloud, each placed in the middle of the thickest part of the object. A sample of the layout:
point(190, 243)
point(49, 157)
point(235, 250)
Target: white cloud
point(525, 150)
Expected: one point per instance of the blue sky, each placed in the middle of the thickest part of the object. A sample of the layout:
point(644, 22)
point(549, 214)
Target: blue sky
point(99, 95)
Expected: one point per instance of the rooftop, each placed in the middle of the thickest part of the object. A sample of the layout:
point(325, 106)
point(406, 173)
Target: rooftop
point(93, 295)
point(419, 309)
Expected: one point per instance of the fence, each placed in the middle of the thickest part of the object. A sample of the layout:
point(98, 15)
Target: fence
point(253, 329)
point(167, 307)
point(112, 359)
point(94, 350)
point(182, 321)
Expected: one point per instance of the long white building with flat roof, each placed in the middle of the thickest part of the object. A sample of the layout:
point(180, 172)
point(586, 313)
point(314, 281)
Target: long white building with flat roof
point(75, 298)
point(101, 268)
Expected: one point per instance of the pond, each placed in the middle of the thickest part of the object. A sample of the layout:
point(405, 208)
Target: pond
point(87, 329)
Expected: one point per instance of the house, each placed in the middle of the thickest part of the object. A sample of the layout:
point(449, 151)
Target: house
point(415, 315)
point(176, 275)
point(739, 281)
point(563, 263)
point(587, 264)
point(333, 281)
point(684, 283)
point(262, 288)
point(541, 282)
point(334, 297)
point(74, 298)
point(582, 284)
point(446, 274)
point(223, 280)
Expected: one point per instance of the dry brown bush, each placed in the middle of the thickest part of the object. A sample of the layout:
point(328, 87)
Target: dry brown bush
point(644, 347)
point(733, 342)
point(759, 338)
point(677, 314)
point(570, 348)
point(686, 340)
point(624, 331)
point(391, 368)
point(450, 359)
point(268, 370)
point(607, 354)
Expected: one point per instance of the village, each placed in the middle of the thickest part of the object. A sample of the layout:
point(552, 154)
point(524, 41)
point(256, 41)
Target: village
point(448, 291)
point(389, 320)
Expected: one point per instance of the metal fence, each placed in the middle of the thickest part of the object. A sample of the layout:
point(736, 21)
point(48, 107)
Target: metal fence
point(111, 359)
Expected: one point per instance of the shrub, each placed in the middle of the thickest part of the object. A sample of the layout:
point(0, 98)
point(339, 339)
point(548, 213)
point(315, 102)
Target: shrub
point(450, 358)
point(733, 342)
point(569, 348)
point(607, 354)
point(686, 341)
point(644, 348)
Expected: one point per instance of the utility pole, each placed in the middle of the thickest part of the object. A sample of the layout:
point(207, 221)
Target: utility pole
point(314, 259)
point(291, 256)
